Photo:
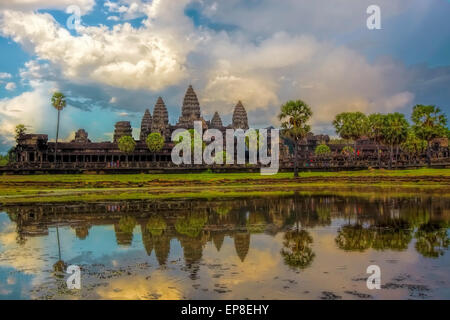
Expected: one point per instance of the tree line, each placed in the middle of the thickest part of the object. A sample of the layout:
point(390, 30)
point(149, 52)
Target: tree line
point(391, 130)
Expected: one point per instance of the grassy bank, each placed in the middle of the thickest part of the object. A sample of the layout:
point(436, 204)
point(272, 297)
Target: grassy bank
point(57, 188)
point(216, 192)
point(120, 178)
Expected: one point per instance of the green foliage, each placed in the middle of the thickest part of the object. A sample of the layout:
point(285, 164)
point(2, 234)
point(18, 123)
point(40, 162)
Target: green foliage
point(354, 238)
point(19, 131)
point(127, 224)
point(222, 155)
point(126, 144)
point(429, 122)
point(4, 160)
point(7, 158)
point(254, 135)
point(156, 226)
point(297, 252)
point(348, 151)
point(191, 225)
point(294, 117)
point(340, 141)
point(322, 150)
point(194, 138)
point(11, 155)
point(413, 144)
point(58, 101)
point(375, 126)
point(432, 239)
point(223, 210)
point(155, 142)
point(391, 235)
point(351, 125)
point(395, 129)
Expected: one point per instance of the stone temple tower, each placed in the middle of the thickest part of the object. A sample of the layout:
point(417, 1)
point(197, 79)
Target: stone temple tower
point(146, 125)
point(216, 122)
point(160, 122)
point(122, 128)
point(240, 120)
point(190, 111)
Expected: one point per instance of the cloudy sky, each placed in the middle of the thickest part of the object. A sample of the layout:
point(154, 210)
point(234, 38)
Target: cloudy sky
point(114, 58)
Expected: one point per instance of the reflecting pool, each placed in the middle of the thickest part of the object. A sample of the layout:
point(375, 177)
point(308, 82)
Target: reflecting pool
point(293, 247)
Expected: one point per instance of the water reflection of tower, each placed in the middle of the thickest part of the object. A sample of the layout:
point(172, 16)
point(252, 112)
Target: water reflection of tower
point(193, 252)
point(123, 238)
point(162, 248)
point(218, 238)
point(242, 244)
point(82, 231)
point(158, 241)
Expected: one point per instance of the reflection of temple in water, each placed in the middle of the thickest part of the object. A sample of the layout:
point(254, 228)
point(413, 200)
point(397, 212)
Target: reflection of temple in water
point(382, 224)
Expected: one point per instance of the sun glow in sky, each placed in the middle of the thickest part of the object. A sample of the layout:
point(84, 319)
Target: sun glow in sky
point(126, 53)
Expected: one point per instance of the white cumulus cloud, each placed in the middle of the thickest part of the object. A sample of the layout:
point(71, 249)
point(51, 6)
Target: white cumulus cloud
point(10, 86)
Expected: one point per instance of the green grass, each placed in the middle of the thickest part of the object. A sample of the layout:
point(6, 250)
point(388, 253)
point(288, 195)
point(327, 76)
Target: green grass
point(57, 188)
point(223, 193)
point(217, 176)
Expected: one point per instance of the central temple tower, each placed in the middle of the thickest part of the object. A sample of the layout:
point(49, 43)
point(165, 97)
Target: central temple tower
point(190, 111)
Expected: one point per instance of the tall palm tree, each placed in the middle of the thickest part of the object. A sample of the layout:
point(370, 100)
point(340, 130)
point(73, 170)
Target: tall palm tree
point(395, 132)
point(59, 103)
point(294, 117)
point(429, 123)
point(375, 131)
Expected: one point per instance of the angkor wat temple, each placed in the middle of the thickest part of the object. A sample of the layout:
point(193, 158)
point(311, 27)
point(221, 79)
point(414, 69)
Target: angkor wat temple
point(35, 153)
point(35, 149)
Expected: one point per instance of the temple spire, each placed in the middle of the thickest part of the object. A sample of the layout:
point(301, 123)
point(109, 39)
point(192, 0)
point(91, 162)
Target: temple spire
point(190, 111)
point(240, 120)
point(160, 121)
point(146, 125)
point(216, 122)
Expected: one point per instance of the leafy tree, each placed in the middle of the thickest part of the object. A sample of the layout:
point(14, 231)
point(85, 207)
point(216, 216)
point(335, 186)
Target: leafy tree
point(156, 226)
point(191, 225)
point(59, 103)
point(413, 144)
point(11, 155)
point(429, 123)
point(126, 144)
point(432, 239)
point(351, 125)
point(294, 117)
point(155, 142)
point(375, 131)
point(20, 130)
point(179, 139)
point(3, 160)
point(395, 132)
point(354, 238)
point(348, 151)
point(322, 150)
point(127, 224)
point(297, 252)
point(395, 234)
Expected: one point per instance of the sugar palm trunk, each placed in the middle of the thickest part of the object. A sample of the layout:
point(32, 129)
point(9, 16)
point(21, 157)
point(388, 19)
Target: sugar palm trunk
point(296, 159)
point(57, 134)
point(429, 154)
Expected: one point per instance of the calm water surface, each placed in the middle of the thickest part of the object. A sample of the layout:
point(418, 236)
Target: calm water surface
point(296, 247)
